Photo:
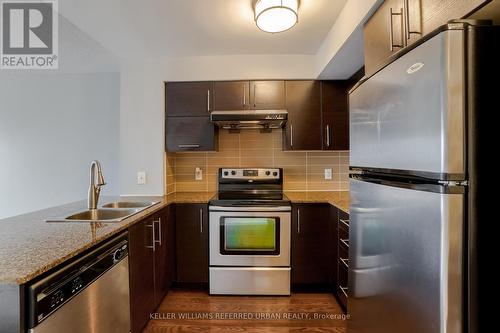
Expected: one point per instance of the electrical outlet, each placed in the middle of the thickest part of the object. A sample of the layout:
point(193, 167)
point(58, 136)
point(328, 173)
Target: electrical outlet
point(198, 174)
point(141, 177)
point(328, 174)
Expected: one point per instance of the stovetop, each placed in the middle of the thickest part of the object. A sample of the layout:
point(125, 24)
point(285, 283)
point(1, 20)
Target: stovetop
point(244, 187)
point(225, 201)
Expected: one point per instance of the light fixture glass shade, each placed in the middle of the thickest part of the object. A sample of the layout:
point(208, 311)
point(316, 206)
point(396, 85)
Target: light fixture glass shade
point(276, 15)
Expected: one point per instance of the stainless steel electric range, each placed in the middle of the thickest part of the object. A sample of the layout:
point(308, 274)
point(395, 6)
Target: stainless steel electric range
point(249, 228)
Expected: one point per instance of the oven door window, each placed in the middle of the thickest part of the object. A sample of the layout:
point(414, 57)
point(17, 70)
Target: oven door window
point(250, 235)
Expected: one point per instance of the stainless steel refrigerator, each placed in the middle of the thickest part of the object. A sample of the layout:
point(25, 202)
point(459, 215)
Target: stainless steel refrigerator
point(418, 168)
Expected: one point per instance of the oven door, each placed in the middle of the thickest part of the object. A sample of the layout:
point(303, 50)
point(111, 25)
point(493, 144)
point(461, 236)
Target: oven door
point(249, 236)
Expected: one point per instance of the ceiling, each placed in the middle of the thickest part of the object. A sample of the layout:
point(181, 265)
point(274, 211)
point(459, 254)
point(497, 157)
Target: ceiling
point(162, 28)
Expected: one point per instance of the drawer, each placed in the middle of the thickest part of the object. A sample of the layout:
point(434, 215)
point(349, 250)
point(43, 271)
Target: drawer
point(343, 234)
point(343, 253)
point(344, 225)
point(343, 275)
point(344, 244)
point(343, 215)
point(342, 295)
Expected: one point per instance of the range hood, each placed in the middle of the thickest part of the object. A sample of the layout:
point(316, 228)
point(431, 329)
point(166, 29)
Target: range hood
point(265, 120)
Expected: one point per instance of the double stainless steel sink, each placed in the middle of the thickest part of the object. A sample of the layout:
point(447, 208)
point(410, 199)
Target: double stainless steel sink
point(111, 212)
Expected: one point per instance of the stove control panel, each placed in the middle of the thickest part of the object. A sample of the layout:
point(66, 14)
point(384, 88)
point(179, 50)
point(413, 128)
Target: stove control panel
point(257, 173)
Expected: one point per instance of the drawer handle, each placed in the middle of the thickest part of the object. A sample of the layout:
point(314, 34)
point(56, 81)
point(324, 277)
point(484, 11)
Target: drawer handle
point(345, 222)
point(345, 262)
point(244, 96)
point(344, 291)
point(345, 241)
point(188, 146)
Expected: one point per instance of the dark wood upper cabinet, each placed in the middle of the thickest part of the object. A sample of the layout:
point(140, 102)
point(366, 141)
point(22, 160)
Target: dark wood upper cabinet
point(192, 243)
point(312, 245)
point(141, 271)
point(190, 134)
point(231, 95)
point(384, 33)
point(399, 23)
point(438, 12)
point(335, 115)
point(267, 95)
point(189, 99)
point(303, 128)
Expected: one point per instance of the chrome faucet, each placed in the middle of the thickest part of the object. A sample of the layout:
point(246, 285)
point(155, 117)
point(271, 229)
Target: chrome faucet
point(95, 184)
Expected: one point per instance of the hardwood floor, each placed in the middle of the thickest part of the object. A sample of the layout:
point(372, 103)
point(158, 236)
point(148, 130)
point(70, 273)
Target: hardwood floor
point(195, 311)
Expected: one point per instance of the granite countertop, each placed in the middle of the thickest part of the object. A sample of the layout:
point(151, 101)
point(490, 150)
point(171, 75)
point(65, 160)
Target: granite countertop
point(190, 197)
point(339, 199)
point(29, 246)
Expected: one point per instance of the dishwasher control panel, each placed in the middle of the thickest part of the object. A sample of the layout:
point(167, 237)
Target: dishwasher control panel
point(53, 291)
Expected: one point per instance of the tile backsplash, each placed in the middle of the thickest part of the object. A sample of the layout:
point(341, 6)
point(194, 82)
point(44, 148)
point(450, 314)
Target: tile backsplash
point(303, 171)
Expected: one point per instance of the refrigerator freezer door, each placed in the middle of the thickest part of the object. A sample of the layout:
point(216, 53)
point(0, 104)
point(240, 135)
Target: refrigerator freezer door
point(405, 260)
point(409, 117)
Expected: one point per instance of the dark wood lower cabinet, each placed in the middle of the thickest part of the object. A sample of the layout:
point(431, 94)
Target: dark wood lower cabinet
point(141, 266)
point(312, 245)
point(342, 258)
point(192, 243)
point(164, 264)
point(172, 246)
point(151, 264)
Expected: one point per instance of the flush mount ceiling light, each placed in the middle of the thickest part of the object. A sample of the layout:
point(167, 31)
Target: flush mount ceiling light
point(276, 15)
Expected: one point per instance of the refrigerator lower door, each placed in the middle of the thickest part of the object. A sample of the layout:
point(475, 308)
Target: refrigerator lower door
point(411, 114)
point(405, 259)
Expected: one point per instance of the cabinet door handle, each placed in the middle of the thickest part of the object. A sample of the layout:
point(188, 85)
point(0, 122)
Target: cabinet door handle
point(153, 242)
point(291, 135)
point(188, 146)
point(208, 100)
point(328, 136)
point(391, 30)
point(345, 222)
point(406, 5)
point(201, 221)
point(159, 231)
point(298, 221)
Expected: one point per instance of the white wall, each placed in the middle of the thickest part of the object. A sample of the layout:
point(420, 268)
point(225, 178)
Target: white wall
point(143, 110)
point(341, 54)
point(51, 128)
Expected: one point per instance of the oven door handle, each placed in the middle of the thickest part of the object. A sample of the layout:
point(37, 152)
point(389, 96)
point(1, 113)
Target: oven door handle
point(251, 209)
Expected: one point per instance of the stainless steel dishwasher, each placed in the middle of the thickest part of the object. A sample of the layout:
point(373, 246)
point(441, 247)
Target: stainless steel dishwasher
point(88, 295)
